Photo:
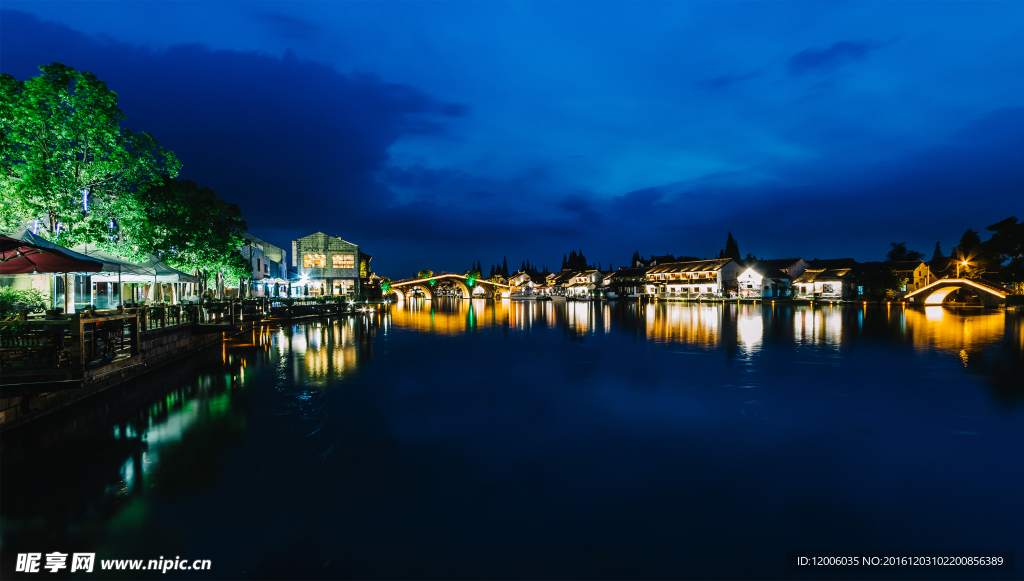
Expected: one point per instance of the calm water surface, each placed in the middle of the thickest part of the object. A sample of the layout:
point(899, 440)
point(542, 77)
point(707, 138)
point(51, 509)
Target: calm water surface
point(481, 439)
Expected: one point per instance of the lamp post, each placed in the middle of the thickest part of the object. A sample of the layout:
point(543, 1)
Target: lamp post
point(961, 263)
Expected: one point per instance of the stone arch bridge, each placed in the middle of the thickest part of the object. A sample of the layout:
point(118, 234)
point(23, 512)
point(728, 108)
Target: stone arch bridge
point(991, 294)
point(466, 285)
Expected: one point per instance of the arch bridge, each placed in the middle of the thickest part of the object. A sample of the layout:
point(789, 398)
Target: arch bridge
point(466, 285)
point(991, 294)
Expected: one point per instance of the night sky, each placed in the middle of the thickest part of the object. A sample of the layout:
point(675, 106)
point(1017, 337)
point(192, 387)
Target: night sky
point(438, 134)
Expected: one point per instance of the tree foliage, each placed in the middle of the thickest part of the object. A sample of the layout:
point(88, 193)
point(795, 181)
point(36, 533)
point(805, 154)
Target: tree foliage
point(425, 273)
point(1007, 249)
point(732, 249)
point(65, 159)
point(189, 227)
point(899, 253)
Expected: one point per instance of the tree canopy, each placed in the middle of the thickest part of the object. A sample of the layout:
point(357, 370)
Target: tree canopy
point(1007, 248)
point(899, 253)
point(66, 160)
point(68, 166)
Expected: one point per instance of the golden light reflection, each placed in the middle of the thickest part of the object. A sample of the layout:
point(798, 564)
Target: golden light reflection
point(818, 326)
point(750, 328)
point(956, 332)
point(455, 316)
point(684, 323)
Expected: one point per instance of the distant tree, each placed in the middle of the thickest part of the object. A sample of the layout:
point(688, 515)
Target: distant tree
point(492, 272)
point(636, 258)
point(899, 253)
point(610, 267)
point(425, 273)
point(937, 256)
point(504, 267)
point(750, 257)
point(1006, 247)
point(732, 250)
point(970, 257)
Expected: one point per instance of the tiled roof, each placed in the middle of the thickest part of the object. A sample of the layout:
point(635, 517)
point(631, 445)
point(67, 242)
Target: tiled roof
point(822, 275)
point(697, 266)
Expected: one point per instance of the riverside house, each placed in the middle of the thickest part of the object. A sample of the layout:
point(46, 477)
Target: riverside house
point(827, 284)
point(584, 284)
point(697, 279)
point(327, 265)
point(769, 278)
point(625, 282)
point(917, 273)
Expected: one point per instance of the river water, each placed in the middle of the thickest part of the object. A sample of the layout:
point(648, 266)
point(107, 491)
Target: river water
point(482, 439)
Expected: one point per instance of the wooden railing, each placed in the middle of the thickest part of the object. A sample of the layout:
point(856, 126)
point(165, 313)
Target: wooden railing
point(75, 339)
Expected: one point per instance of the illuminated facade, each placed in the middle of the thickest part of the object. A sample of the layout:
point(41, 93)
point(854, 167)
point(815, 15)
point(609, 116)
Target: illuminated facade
point(327, 265)
point(769, 278)
point(696, 279)
point(825, 284)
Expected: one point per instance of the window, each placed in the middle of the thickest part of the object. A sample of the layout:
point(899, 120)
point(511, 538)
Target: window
point(343, 261)
point(826, 288)
point(338, 288)
point(860, 290)
point(314, 261)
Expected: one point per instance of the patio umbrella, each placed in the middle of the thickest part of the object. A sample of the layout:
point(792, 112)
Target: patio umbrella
point(20, 257)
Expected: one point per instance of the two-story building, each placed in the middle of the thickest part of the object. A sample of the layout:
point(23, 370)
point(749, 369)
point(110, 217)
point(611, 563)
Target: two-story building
point(697, 279)
point(625, 283)
point(269, 266)
point(584, 284)
point(327, 265)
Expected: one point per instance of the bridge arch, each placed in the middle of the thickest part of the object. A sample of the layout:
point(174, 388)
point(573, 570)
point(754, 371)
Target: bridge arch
point(991, 294)
point(490, 289)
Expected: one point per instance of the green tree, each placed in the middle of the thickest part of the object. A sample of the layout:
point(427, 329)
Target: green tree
point(190, 228)
point(425, 273)
point(64, 158)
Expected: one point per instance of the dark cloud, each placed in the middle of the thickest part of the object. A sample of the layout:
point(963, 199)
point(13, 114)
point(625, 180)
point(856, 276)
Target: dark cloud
point(288, 27)
point(297, 144)
point(823, 59)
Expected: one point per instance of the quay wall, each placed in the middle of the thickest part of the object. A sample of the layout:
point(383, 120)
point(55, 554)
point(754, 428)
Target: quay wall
point(38, 396)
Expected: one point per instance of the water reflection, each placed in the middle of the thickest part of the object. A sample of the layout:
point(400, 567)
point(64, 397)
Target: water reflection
point(289, 416)
point(162, 437)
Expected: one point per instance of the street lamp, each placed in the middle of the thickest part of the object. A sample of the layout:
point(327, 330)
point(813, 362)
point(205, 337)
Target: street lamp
point(958, 265)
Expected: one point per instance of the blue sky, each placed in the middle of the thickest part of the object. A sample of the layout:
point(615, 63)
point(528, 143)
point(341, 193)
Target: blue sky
point(436, 134)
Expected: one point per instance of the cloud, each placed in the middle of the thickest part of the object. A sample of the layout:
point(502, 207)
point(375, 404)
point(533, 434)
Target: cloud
point(823, 59)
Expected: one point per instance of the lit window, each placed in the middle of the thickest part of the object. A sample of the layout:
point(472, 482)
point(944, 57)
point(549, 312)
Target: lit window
point(343, 260)
point(314, 261)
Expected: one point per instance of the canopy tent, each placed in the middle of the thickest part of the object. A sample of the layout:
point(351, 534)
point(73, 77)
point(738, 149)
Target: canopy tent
point(124, 272)
point(28, 236)
point(165, 273)
point(21, 257)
